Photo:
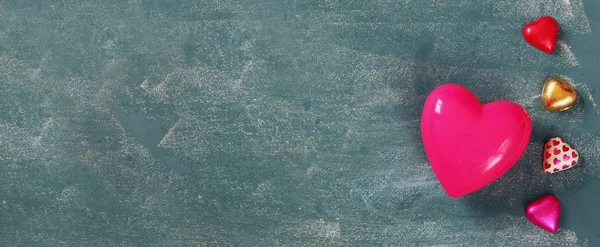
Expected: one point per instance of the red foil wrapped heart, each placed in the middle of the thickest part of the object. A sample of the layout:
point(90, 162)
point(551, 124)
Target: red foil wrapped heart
point(542, 34)
point(544, 213)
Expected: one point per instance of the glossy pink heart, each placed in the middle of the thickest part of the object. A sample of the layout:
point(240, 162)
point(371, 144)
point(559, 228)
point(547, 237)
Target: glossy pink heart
point(469, 145)
point(544, 213)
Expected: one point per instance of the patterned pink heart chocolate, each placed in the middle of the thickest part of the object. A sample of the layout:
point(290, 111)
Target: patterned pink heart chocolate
point(559, 156)
point(544, 213)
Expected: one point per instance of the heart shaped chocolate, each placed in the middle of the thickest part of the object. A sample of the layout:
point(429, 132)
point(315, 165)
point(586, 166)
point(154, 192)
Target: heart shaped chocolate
point(469, 145)
point(544, 213)
point(559, 156)
point(558, 95)
point(542, 34)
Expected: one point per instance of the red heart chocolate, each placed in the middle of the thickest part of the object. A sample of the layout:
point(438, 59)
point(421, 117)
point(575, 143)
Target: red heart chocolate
point(542, 34)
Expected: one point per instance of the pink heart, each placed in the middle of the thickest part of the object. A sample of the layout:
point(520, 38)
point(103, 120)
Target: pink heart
point(556, 161)
point(491, 138)
point(544, 213)
point(556, 151)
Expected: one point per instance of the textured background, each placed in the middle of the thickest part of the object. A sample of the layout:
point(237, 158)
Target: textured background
point(278, 123)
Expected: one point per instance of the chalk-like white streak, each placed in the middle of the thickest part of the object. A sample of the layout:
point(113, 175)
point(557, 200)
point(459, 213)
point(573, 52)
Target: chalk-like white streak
point(565, 52)
point(591, 98)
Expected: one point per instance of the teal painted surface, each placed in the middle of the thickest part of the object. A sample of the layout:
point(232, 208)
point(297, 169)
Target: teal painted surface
point(277, 123)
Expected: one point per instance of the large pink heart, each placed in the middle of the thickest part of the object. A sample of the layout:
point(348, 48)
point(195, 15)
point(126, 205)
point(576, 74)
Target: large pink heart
point(469, 145)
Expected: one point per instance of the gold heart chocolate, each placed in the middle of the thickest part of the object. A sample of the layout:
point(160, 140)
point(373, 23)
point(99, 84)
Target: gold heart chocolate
point(558, 95)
